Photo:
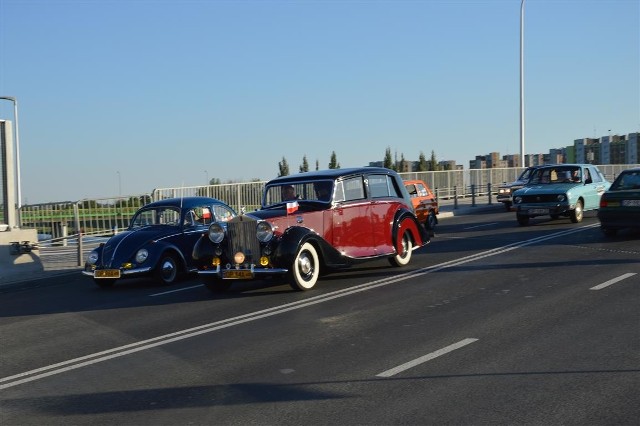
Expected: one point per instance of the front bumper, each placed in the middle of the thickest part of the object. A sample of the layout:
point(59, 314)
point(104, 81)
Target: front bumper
point(545, 209)
point(241, 273)
point(123, 272)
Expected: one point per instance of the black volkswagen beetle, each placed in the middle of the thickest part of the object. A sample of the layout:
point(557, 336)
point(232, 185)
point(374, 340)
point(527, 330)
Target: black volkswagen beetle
point(158, 241)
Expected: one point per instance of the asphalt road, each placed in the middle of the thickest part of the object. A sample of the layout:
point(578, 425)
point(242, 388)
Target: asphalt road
point(491, 323)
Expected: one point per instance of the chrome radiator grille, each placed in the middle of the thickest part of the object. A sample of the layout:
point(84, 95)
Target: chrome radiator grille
point(242, 237)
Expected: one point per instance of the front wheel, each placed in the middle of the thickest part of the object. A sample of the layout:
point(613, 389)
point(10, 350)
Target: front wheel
point(577, 213)
point(305, 269)
point(404, 255)
point(167, 269)
point(523, 220)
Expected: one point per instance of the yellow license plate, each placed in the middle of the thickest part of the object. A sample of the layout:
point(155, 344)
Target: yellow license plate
point(107, 273)
point(238, 275)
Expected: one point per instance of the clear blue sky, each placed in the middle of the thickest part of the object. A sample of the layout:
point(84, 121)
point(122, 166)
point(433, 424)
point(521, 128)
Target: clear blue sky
point(132, 95)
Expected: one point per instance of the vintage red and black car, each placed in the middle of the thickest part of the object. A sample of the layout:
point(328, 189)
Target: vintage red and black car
point(310, 224)
point(158, 242)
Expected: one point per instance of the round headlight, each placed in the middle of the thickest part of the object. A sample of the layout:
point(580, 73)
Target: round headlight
point(517, 200)
point(92, 258)
point(142, 255)
point(264, 232)
point(561, 197)
point(216, 232)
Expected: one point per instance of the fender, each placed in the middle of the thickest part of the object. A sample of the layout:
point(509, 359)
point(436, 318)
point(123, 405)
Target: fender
point(157, 254)
point(406, 220)
point(294, 237)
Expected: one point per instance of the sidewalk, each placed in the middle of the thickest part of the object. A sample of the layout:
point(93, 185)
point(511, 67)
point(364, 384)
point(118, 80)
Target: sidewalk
point(44, 267)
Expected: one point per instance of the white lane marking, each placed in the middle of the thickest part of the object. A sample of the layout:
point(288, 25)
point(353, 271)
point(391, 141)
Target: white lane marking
point(174, 291)
point(480, 226)
point(425, 358)
point(108, 354)
point(613, 281)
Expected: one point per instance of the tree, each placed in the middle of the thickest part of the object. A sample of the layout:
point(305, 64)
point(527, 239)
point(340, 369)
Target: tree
point(433, 164)
point(422, 162)
point(317, 165)
point(283, 166)
point(215, 181)
point(388, 161)
point(304, 167)
point(333, 163)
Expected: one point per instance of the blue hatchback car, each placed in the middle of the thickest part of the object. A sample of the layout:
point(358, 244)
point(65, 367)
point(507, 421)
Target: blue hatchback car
point(158, 242)
point(560, 190)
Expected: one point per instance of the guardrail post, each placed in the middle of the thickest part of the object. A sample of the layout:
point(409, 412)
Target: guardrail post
point(489, 192)
point(473, 195)
point(455, 197)
point(76, 214)
point(437, 196)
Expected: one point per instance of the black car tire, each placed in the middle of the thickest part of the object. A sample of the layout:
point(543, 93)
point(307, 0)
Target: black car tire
point(305, 269)
point(216, 285)
point(577, 213)
point(104, 282)
point(431, 221)
point(167, 270)
point(507, 206)
point(402, 259)
point(522, 220)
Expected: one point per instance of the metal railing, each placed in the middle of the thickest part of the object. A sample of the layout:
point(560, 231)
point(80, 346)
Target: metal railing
point(82, 224)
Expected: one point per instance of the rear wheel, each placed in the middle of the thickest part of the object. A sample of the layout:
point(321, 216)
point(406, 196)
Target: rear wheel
point(404, 255)
point(577, 213)
point(167, 269)
point(305, 269)
point(431, 222)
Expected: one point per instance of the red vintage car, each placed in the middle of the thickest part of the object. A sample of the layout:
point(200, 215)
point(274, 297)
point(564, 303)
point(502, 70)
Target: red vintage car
point(312, 223)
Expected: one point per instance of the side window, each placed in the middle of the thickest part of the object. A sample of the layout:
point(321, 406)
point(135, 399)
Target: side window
point(411, 189)
point(379, 186)
point(353, 189)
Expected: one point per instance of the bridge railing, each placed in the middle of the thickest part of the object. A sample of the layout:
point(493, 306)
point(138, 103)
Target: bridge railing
point(62, 223)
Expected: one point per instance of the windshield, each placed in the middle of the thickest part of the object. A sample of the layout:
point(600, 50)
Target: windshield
point(526, 175)
point(555, 175)
point(279, 194)
point(169, 216)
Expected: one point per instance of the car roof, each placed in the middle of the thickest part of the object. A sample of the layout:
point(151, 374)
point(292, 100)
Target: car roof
point(330, 174)
point(186, 202)
point(631, 170)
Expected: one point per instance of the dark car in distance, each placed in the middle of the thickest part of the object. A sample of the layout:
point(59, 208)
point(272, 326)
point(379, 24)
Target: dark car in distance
point(158, 242)
point(620, 205)
point(506, 190)
point(310, 224)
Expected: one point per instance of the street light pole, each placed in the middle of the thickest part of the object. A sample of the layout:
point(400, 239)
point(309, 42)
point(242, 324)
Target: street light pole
point(15, 115)
point(522, 83)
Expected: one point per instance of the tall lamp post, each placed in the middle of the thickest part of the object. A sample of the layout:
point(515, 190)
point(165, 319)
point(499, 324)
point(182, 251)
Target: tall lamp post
point(15, 116)
point(522, 83)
